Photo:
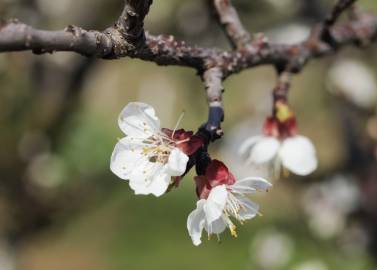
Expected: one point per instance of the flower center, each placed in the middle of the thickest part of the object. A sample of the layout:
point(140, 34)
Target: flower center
point(158, 147)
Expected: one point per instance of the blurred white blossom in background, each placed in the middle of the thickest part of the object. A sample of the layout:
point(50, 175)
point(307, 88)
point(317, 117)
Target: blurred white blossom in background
point(311, 265)
point(355, 81)
point(278, 4)
point(272, 249)
point(6, 258)
point(327, 205)
point(289, 33)
point(47, 170)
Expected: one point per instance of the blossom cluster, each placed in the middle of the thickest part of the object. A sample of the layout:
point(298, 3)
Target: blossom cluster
point(154, 159)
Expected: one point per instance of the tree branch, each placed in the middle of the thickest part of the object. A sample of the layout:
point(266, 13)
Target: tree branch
point(16, 36)
point(126, 35)
point(228, 18)
point(131, 22)
point(212, 79)
point(332, 17)
point(165, 50)
point(335, 13)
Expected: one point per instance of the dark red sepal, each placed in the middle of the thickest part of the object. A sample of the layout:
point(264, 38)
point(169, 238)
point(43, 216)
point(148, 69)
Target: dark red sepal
point(281, 130)
point(185, 140)
point(216, 174)
point(203, 187)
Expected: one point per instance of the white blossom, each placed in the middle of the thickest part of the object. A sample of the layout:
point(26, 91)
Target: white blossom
point(223, 203)
point(295, 153)
point(146, 156)
point(355, 81)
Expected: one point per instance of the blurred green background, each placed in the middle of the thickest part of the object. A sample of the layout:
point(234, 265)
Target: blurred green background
point(62, 208)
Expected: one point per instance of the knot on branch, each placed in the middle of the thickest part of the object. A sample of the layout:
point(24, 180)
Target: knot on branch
point(119, 46)
point(131, 22)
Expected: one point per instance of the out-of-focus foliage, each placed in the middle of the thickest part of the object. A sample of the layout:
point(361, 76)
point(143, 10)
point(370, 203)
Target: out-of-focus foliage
point(60, 154)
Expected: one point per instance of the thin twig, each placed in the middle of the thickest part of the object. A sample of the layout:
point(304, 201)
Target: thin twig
point(228, 18)
point(332, 18)
point(335, 13)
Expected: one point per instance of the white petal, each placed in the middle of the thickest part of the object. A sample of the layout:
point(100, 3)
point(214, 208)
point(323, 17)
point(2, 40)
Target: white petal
point(248, 143)
point(216, 227)
point(249, 209)
point(177, 162)
point(157, 186)
point(298, 155)
point(152, 179)
point(138, 120)
point(195, 223)
point(250, 185)
point(215, 203)
point(264, 150)
point(143, 170)
point(125, 159)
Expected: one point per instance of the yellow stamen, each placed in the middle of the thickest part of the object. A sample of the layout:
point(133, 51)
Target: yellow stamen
point(233, 231)
point(283, 112)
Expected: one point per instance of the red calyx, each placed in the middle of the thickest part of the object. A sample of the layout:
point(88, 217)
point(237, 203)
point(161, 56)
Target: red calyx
point(280, 129)
point(202, 187)
point(185, 140)
point(216, 174)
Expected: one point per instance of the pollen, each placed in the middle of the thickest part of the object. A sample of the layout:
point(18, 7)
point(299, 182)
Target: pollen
point(283, 112)
point(147, 150)
point(233, 231)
